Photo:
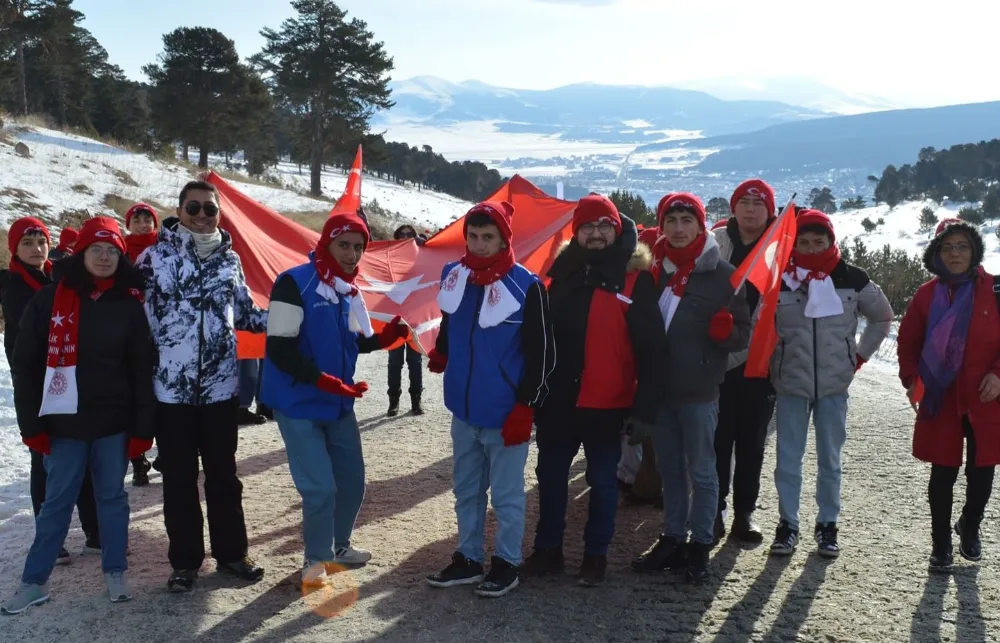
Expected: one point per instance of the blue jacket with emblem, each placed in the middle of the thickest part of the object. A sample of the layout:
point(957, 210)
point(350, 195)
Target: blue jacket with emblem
point(308, 335)
point(491, 369)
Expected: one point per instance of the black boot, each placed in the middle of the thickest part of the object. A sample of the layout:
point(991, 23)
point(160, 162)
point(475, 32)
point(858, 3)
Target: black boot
point(746, 530)
point(969, 544)
point(665, 554)
point(415, 407)
point(718, 530)
point(941, 554)
point(140, 471)
point(393, 405)
point(697, 564)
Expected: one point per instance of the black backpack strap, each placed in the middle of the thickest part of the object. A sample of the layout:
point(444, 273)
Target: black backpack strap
point(996, 289)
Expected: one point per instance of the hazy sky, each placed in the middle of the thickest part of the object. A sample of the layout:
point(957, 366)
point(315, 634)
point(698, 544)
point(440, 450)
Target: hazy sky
point(923, 53)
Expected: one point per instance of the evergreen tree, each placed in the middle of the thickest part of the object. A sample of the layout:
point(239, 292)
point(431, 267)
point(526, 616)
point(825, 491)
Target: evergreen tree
point(927, 219)
point(991, 203)
point(329, 71)
point(634, 207)
point(823, 200)
point(718, 208)
point(889, 188)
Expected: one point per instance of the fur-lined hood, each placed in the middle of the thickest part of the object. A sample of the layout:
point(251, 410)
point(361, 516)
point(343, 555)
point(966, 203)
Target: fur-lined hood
point(934, 247)
point(641, 259)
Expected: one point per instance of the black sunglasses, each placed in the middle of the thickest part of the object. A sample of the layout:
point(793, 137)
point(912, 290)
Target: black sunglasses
point(194, 207)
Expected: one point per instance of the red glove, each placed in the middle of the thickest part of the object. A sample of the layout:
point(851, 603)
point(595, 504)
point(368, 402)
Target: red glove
point(859, 362)
point(38, 443)
point(138, 446)
point(721, 326)
point(330, 384)
point(436, 362)
point(393, 330)
point(517, 429)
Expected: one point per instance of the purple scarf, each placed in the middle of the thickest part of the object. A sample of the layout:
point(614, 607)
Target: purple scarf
point(944, 344)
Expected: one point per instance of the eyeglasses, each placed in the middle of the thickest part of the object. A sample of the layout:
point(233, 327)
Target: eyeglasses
point(960, 248)
point(194, 207)
point(603, 228)
point(103, 251)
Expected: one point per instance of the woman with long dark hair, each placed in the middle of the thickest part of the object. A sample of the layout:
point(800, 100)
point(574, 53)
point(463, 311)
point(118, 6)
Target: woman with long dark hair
point(83, 391)
point(949, 362)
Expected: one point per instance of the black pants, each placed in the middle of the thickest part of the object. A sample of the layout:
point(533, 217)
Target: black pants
point(86, 506)
point(745, 409)
point(183, 433)
point(979, 484)
point(413, 364)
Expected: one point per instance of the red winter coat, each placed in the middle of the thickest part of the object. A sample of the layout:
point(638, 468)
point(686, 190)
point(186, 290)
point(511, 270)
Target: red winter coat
point(939, 440)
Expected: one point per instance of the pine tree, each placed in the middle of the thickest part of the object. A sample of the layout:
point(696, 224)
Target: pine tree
point(718, 208)
point(927, 219)
point(634, 207)
point(328, 70)
point(823, 200)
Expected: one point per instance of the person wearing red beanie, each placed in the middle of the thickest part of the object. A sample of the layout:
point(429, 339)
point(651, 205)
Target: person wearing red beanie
point(746, 405)
point(67, 240)
point(705, 319)
point(822, 297)
point(84, 367)
point(317, 326)
point(597, 209)
point(141, 222)
point(495, 350)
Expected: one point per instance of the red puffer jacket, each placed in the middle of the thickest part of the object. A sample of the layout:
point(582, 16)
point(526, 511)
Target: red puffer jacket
point(939, 440)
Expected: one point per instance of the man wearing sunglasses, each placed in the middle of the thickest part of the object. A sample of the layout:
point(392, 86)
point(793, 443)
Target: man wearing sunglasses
point(196, 298)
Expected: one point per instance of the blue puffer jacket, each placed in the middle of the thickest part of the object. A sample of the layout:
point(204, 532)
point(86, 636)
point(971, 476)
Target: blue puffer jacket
point(326, 340)
point(491, 369)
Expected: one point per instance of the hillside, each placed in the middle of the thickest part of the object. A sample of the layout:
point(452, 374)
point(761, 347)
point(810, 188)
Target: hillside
point(70, 177)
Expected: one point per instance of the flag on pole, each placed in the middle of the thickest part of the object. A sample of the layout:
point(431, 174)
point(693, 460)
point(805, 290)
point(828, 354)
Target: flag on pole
point(350, 200)
point(763, 268)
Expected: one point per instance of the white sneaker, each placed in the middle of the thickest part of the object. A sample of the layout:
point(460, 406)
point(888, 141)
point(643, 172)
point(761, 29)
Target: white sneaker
point(27, 595)
point(118, 587)
point(351, 556)
point(314, 574)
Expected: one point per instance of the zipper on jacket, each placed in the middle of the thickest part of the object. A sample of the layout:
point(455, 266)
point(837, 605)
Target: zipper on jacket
point(815, 365)
point(472, 330)
point(201, 331)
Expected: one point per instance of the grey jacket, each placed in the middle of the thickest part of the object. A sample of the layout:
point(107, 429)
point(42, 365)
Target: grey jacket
point(816, 358)
point(696, 364)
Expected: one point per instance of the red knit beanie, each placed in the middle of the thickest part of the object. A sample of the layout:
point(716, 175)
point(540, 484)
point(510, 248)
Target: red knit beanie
point(502, 215)
point(22, 227)
point(810, 217)
point(941, 227)
point(755, 188)
point(141, 207)
point(67, 238)
point(100, 230)
point(721, 223)
point(681, 201)
point(343, 223)
point(595, 209)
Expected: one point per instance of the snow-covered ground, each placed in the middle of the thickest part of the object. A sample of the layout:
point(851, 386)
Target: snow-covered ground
point(68, 172)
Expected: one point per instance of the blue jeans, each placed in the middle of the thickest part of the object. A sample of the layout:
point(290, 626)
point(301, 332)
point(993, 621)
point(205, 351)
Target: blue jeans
point(830, 417)
point(684, 441)
point(66, 467)
point(249, 371)
point(482, 462)
point(555, 456)
point(328, 470)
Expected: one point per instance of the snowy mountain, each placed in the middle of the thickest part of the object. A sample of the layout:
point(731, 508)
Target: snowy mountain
point(69, 174)
point(803, 92)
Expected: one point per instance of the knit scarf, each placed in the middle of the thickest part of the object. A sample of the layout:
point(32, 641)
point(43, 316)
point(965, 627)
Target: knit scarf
point(944, 343)
point(498, 304)
point(681, 262)
point(24, 271)
point(204, 244)
point(814, 270)
point(136, 243)
point(59, 392)
point(334, 283)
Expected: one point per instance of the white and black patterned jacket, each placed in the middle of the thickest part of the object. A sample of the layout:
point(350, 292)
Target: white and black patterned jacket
point(194, 308)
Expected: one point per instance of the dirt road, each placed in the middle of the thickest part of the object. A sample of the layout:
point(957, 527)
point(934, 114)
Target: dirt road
point(879, 589)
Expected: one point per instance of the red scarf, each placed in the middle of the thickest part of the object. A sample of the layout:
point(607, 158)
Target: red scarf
point(684, 258)
point(136, 243)
point(19, 268)
point(819, 265)
point(328, 269)
point(488, 270)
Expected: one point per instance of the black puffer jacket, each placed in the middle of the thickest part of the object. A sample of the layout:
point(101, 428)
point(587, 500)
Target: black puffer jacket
point(14, 297)
point(114, 371)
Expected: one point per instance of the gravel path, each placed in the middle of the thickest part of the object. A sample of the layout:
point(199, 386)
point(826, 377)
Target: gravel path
point(879, 589)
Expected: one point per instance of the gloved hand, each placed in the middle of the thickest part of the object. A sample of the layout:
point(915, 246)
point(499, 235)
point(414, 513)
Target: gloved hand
point(393, 330)
point(517, 429)
point(330, 384)
point(721, 326)
point(637, 430)
point(138, 446)
point(38, 443)
point(436, 362)
point(859, 362)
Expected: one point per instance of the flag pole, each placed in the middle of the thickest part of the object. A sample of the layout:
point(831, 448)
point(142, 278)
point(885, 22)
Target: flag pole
point(767, 238)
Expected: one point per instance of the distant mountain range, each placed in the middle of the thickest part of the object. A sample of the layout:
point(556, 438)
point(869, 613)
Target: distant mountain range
point(604, 113)
point(803, 92)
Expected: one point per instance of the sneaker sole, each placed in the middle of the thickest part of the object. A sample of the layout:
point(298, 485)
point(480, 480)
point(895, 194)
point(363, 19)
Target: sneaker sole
point(122, 599)
point(179, 589)
point(940, 569)
point(828, 554)
point(342, 561)
point(782, 552)
point(497, 593)
point(90, 551)
point(38, 601)
point(968, 557)
point(471, 580)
